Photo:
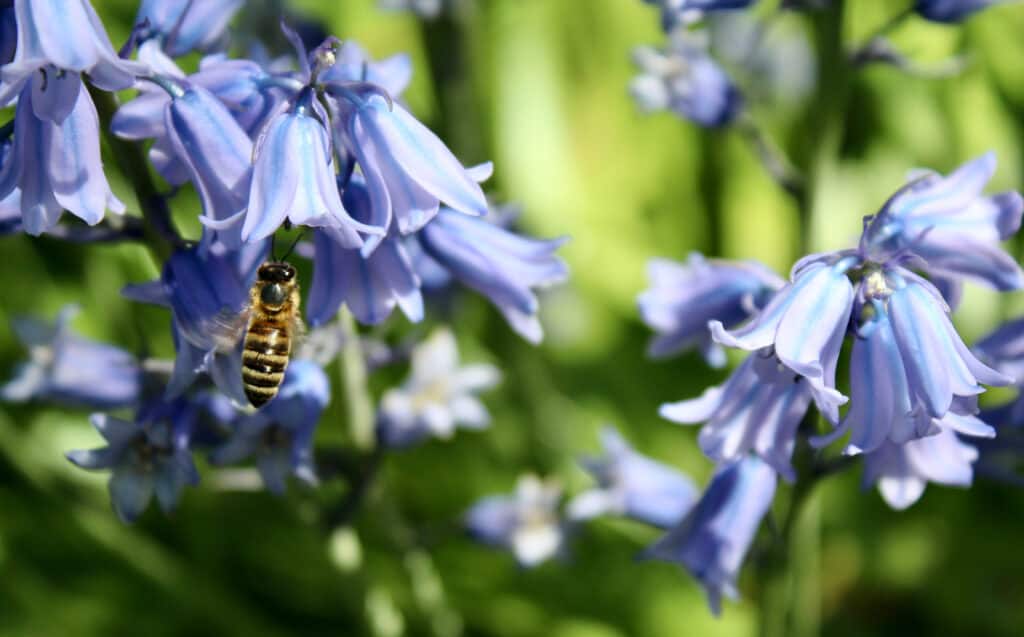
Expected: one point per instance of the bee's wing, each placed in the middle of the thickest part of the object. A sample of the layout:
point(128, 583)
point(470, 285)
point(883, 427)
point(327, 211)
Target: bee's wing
point(226, 327)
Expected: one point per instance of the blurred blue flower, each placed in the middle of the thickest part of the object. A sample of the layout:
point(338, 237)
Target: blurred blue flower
point(428, 9)
point(409, 172)
point(951, 11)
point(756, 411)
point(353, 64)
point(806, 322)
point(55, 161)
point(67, 369)
point(370, 287)
point(437, 397)
point(682, 298)
point(713, 539)
point(633, 485)
point(146, 457)
point(280, 435)
point(184, 26)
point(499, 264)
point(951, 225)
point(8, 33)
point(675, 13)
point(527, 523)
point(684, 79)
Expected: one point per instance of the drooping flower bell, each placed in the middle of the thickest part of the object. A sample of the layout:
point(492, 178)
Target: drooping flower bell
point(185, 26)
point(526, 523)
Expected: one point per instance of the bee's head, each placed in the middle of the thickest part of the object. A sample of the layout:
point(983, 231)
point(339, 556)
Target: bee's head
point(276, 272)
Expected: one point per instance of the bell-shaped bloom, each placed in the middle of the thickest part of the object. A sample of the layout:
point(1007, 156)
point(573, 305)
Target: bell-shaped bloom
point(682, 298)
point(57, 167)
point(713, 539)
point(370, 287)
point(756, 411)
point(684, 79)
point(438, 396)
point(280, 436)
point(675, 13)
point(146, 457)
point(806, 322)
point(1004, 350)
point(293, 178)
point(526, 523)
point(63, 38)
point(633, 485)
point(182, 27)
point(409, 171)
point(497, 263)
point(951, 11)
point(353, 64)
point(68, 369)
point(903, 471)
point(949, 223)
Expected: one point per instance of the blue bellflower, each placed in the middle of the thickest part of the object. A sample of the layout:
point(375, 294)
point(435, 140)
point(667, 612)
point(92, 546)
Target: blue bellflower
point(1004, 350)
point(370, 287)
point(684, 79)
point(63, 38)
point(8, 34)
point(64, 368)
point(682, 298)
point(353, 64)
point(951, 11)
point(756, 411)
point(146, 457)
point(185, 26)
point(55, 161)
point(280, 436)
point(633, 485)
point(712, 541)
point(527, 523)
point(497, 263)
point(437, 397)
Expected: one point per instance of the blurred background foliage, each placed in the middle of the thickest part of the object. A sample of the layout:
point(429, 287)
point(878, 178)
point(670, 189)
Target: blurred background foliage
point(539, 86)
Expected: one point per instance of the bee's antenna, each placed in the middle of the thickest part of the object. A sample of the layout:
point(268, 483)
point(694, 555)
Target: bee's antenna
point(294, 243)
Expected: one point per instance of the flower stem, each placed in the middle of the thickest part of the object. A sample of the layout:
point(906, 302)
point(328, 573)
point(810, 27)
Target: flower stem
point(354, 376)
point(161, 238)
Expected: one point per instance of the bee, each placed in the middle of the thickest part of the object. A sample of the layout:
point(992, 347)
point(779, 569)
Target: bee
point(273, 323)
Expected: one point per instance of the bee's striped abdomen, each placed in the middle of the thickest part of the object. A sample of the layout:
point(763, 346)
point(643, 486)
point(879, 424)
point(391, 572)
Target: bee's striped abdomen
point(264, 359)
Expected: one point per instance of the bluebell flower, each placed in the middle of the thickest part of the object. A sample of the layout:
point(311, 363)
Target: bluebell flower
point(949, 223)
point(56, 166)
point(684, 79)
point(353, 64)
point(437, 397)
point(805, 322)
point(633, 485)
point(68, 369)
point(712, 541)
point(293, 177)
point(951, 11)
point(280, 435)
point(675, 13)
point(185, 26)
point(499, 264)
point(409, 172)
point(8, 34)
point(371, 286)
point(62, 38)
point(146, 457)
point(527, 523)
point(756, 411)
point(682, 298)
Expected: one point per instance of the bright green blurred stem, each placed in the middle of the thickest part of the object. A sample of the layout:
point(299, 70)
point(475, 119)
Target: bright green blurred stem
point(352, 368)
point(159, 235)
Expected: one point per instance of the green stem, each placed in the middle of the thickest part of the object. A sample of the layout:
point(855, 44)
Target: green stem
point(161, 238)
point(359, 403)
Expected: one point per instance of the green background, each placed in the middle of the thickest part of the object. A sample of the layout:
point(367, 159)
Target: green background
point(543, 93)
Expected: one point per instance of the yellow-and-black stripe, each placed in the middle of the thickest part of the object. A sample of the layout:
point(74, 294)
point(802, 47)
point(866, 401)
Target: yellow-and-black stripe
point(264, 359)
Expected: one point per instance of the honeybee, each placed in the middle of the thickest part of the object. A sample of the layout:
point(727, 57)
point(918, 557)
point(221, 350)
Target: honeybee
point(273, 323)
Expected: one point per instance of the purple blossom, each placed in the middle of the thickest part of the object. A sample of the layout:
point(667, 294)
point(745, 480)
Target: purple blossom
point(951, 11)
point(438, 396)
point(62, 38)
point(682, 298)
point(633, 485)
point(280, 435)
point(185, 26)
point(499, 264)
point(684, 79)
point(952, 226)
point(64, 367)
point(8, 33)
point(527, 523)
point(353, 64)
point(55, 161)
point(146, 457)
point(756, 411)
point(713, 539)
